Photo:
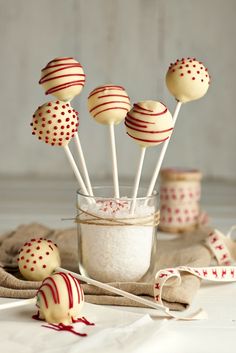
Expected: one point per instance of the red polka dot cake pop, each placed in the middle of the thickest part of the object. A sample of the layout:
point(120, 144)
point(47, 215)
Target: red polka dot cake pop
point(63, 77)
point(187, 79)
point(55, 123)
point(38, 258)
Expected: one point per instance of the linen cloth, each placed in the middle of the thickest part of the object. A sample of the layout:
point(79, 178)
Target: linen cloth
point(188, 249)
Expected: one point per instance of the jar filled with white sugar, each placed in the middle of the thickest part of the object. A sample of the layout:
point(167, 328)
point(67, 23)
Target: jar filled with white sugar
point(116, 235)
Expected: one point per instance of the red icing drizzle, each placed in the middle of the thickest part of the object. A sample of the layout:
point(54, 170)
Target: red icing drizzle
point(148, 132)
point(100, 105)
point(103, 88)
point(77, 285)
point(141, 121)
point(60, 67)
point(139, 107)
point(151, 141)
point(104, 110)
point(63, 327)
point(151, 114)
point(44, 297)
point(69, 288)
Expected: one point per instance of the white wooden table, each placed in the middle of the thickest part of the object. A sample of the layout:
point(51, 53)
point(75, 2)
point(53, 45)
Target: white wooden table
point(117, 329)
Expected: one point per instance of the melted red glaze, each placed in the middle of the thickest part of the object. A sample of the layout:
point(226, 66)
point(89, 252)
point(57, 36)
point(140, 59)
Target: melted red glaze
point(69, 288)
point(151, 141)
point(83, 320)
point(63, 327)
point(56, 289)
point(77, 285)
point(111, 102)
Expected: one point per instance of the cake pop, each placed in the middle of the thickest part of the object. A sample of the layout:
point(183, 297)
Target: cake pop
point(60, 299)
point(187, 80)
point(63, 77)
point(149, 123)
point(38, 258)
point(56, 123)
point(108, 105)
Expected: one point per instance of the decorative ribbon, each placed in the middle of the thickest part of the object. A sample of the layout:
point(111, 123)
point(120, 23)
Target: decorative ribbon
point(171, 277)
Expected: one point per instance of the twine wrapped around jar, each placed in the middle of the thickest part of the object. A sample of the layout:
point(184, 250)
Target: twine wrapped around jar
point(180, 192)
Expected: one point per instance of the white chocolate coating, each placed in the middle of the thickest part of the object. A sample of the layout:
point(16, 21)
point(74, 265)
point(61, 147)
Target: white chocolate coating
point(55, 123)
point(60, 299)
point(187, 80)
point(109, 104)
point(38, 258)
point(149, 123)
point(64, 78)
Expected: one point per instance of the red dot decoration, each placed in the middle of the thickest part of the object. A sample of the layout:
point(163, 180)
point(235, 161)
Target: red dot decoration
point(32, 269)
point(44, 266)
point(40, 257)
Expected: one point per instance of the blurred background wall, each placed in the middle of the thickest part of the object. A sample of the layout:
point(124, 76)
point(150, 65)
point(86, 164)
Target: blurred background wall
point(126, 42)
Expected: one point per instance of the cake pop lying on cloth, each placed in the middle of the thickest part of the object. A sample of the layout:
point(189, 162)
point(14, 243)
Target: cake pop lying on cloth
point(108, 105)
point(64, 78)
point(55, 123)
point(187, 80)
point(38, 258)
point(149, 123)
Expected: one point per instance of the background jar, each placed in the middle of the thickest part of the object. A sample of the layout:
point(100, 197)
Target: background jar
point(114, 244)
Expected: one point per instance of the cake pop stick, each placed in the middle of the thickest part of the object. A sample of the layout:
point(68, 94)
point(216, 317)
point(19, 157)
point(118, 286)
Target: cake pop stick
point(64, 78)
point(83, 164)
point(56, 123)
point(149, 123)
point(109, 105)
point(187, 80)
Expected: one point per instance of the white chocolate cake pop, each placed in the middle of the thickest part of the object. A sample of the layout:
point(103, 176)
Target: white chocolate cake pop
point(187, 80)
point(109, 104)
point(55, 123)
point(149, 123)
point(60, 299)
point(38, 258)
point(64, 78)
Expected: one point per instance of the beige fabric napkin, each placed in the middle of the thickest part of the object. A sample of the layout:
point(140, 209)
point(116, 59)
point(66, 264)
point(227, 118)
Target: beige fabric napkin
point(187, 249)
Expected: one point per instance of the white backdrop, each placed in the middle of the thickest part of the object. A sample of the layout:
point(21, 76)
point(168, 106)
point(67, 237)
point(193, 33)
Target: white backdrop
point(126, 42)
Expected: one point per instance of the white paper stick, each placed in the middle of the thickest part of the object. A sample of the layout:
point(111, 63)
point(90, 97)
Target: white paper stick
point(137, 179)
point(114, 161)
point(83, 164)
point(17, 303)
point(120, 292)
point(162, 154)
point(75, 169)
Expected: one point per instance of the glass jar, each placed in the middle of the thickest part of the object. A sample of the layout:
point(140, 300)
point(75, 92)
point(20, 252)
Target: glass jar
point(116, 238)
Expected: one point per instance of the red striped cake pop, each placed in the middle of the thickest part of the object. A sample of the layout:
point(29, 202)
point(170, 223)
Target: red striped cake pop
point(149, 123)
point(64, 78)
point(38, 258)
point(187, 79)
point(55, 123)
point(109, 104)
point(60, 299)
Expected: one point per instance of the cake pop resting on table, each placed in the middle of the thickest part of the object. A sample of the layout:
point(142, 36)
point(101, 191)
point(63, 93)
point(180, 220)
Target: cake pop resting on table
point(55, 123)
point(60, 299)
point(149, 123)
point(187, 79)
point(64, 78)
